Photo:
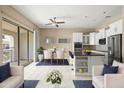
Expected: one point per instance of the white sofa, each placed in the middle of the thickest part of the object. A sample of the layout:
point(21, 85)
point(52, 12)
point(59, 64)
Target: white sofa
point(16, 80)
point(108, 80)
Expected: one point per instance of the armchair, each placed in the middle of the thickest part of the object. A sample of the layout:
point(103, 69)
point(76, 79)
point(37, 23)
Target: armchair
point(108, 80)
point(60, 55)
point(47, 55)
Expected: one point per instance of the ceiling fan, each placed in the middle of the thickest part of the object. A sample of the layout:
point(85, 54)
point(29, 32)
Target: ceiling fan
point(54, 22)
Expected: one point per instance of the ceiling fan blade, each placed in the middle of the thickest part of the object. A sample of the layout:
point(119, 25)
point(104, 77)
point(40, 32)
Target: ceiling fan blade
point(60, 22)
point(49, 24)
point(52, 20)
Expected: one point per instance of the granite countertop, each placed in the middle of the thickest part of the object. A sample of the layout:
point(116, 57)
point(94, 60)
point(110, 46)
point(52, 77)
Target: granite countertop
point(92, 54)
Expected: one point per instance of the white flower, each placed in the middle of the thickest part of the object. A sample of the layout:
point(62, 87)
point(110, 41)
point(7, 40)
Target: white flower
point(57, 75)
point(53, 77)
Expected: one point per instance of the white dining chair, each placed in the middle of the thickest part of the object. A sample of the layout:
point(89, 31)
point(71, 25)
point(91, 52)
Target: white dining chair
point(47, 55)
point(60, 55)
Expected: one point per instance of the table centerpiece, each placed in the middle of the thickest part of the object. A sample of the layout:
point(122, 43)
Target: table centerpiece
point(55, 78)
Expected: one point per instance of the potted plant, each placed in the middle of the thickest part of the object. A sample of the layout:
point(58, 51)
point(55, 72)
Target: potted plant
point(40, 53)
point(55, 78)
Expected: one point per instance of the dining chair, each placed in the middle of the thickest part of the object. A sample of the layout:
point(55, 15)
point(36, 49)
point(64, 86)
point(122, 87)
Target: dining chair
point(47, 55)
point(60, 55)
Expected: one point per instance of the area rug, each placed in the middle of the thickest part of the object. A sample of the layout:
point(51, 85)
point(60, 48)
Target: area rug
point(54, 63)
point(30, 83)
point(83, 83)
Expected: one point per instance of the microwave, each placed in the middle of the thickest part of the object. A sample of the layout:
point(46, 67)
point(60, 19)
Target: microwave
point(102, 41)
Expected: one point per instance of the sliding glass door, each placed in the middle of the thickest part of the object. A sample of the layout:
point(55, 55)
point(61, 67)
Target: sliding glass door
point(23, 46)
point(18, 44)
point(10, 42)
point(26, 46)
point(31, 47)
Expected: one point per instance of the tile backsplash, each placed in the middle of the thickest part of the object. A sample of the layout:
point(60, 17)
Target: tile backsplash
point(102, 47)
point(92, 47)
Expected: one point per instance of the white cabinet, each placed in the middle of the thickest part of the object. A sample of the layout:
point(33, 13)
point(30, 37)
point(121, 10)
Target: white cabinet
point(81, 65)
point(77, 37)
point(113, 29)
point(80, 37)
point(119, 27)
point(102, 33)
point(86, 39)
point(108, 34)
point(95, 60)
point(97, 37)
point(92, 38)
point(116, 28)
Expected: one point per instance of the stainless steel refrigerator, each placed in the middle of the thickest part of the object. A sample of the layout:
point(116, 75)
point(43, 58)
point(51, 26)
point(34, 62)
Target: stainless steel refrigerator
point(114, 48)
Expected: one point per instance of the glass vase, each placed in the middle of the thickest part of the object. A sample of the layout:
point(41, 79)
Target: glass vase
point(56, 85)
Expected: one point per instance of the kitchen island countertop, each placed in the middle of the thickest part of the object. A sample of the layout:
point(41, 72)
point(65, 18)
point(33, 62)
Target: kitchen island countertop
point(92, 54)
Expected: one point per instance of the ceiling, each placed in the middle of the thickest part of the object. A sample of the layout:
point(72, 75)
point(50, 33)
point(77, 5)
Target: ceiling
point(75, 16)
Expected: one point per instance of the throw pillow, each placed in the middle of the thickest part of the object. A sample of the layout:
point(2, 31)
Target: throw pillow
point(110, 69)
point(5, 71)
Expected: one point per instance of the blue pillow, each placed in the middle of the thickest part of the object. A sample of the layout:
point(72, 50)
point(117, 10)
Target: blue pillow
point(110, 69)
point(5, 71)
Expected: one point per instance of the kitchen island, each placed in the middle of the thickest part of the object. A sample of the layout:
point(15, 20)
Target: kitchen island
point(84, 62)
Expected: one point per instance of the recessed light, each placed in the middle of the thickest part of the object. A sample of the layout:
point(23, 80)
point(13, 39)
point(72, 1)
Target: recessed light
point(104, 12)
point(85, 16)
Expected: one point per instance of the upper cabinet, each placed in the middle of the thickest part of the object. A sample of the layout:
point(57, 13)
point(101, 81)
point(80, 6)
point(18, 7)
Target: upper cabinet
point(97, 37)
point(113, 29)
point(102, 33)
point(108, 34)
point(92, 38)
point(77, 37)
point(86, 39)
point(116, 28)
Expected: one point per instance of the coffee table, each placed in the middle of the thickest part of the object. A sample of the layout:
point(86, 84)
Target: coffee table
point(67, 81)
